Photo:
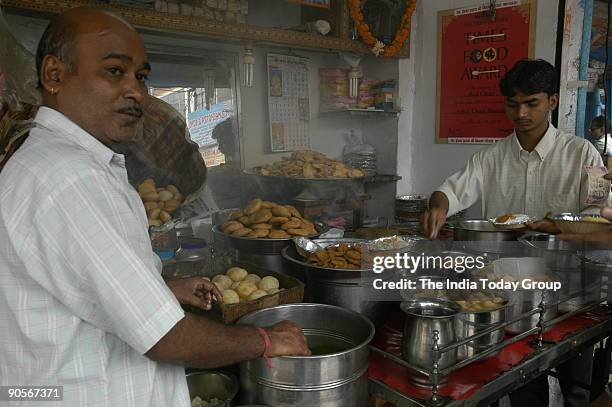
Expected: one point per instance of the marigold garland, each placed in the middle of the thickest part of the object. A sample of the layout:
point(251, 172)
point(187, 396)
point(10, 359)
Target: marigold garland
point(377, 47)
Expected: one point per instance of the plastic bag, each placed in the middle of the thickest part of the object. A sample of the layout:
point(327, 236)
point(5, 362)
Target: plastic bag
point(18, 78)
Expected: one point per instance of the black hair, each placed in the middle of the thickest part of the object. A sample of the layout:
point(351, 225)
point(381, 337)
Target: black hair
point(599, 122)
point(530, 77)
point(57, 40)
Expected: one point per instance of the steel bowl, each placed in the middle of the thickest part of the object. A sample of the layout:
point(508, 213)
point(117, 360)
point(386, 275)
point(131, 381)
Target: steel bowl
point(212, 384)
point(480, 236)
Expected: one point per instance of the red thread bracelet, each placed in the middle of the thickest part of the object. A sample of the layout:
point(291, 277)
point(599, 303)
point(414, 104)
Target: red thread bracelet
point(267, 344)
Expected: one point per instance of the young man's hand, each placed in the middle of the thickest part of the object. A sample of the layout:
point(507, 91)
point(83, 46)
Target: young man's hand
point(194, 291)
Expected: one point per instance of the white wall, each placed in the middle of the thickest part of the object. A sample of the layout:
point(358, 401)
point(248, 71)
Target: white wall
point(422, 163)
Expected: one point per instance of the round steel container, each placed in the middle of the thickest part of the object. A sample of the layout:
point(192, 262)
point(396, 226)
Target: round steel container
point(337, 377)
point(342, 287)
point(423, 316)
point(480, 236)
point(561, 257)
point(470, 323)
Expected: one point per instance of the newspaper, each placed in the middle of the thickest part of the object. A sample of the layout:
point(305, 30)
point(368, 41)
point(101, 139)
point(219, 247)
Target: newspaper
point(598, 187)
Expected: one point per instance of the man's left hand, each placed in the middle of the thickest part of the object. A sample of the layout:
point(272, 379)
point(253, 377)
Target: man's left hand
point(194, 291)
point(544, 225)
point(605, 235)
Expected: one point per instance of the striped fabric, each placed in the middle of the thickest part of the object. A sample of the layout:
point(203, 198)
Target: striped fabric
point(508, 179)
point(81, 295)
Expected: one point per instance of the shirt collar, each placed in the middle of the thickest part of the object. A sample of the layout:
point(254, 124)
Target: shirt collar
point(544, 146)
point(65, 128)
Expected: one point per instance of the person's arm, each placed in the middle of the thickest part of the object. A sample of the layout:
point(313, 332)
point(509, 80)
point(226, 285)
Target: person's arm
point(434, 218)
point(198, 342)
point(459, 191)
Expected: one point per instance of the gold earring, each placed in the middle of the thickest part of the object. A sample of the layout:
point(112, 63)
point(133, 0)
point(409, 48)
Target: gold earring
point(52, 91)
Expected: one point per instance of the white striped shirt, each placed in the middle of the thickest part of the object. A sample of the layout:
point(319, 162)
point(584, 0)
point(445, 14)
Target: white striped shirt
point(508, 179)
point(81, 296)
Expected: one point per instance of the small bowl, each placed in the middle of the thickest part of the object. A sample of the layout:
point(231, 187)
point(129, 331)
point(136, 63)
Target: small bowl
point(580, 224)
point(211, 384)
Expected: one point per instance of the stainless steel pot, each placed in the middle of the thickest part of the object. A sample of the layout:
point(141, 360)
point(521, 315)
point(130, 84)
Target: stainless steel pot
point(470, 323)
point(345, 288)
point(480, 236)
point(526, 300)
point(579, 285)
point(423, 316)
point(337, 378)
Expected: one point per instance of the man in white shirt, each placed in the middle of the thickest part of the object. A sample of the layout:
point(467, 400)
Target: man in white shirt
point(534, 170)
point(82, 301)
point(599, 126)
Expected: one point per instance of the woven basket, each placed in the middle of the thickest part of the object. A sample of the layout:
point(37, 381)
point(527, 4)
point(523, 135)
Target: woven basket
point(293, 292)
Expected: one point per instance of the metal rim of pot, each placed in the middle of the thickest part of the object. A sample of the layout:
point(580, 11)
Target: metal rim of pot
point(371, 327)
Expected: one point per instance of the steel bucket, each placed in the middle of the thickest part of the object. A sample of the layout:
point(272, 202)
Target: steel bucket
point(335, 378)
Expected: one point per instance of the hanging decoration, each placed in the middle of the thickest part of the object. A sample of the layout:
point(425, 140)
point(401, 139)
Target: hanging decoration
point(377, 46)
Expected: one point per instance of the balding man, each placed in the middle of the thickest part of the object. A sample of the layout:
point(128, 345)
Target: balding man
point(82, 302)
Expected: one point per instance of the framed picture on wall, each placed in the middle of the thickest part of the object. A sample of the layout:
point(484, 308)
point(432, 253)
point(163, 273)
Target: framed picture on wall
point(313, 3)
point(476, 47)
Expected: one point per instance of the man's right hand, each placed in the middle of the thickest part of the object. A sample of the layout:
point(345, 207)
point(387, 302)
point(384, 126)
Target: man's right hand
point(433, 220)
point(287, 339)
point(435, 217)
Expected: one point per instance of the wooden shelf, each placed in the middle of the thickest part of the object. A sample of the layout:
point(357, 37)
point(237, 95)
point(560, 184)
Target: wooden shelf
point(140, 17)
point(362, 112)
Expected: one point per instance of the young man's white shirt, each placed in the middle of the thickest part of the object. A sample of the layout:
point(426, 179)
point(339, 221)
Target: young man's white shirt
point(508, 179)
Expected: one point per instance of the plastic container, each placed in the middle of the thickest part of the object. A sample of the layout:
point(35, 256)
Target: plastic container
point(193, 258)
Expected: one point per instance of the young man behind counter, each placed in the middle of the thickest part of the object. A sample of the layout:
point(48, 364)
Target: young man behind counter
point(82, 301)
point(535, 170)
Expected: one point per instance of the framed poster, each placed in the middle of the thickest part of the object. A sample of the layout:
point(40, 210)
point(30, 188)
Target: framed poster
point(288, 103)
point(313, 3)
point(476, 48)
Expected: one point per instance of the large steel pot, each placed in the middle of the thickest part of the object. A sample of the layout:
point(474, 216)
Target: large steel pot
point(480, 236)
point(423, 317)
point(335, 378)
point(579, 285)
point(346, 288)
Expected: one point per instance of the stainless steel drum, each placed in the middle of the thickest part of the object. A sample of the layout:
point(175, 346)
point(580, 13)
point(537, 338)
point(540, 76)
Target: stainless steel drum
point(342, 287)
point(423, 316)
point(336, 374)
point(580, 286)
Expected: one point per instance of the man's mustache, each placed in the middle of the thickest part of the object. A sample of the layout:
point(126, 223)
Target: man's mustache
point(132, 111)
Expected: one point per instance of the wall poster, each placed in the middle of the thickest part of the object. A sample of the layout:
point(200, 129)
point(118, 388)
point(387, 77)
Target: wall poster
point(288, 103)
point(476, 47)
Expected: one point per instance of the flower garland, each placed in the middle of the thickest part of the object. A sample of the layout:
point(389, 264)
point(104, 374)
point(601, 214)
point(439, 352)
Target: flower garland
point(377, 46)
